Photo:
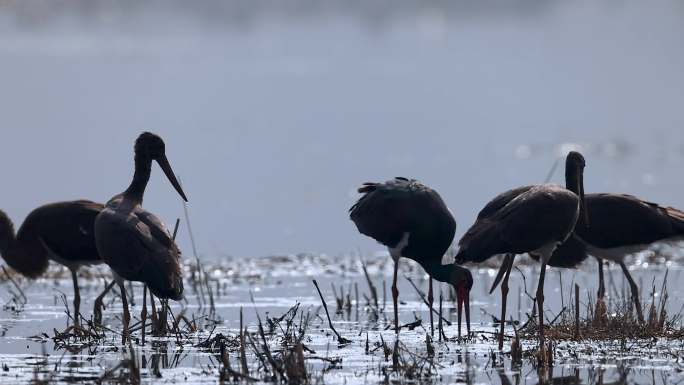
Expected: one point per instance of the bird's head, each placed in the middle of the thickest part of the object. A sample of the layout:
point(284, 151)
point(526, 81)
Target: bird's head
point(576, 159)
point(151, 146)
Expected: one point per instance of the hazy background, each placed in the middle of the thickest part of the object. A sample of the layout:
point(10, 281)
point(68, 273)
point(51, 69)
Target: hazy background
point(275, 111)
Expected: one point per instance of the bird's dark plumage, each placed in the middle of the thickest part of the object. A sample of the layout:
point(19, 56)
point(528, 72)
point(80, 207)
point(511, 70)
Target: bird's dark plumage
point(527, 218)
point(501, 200)
point(133, 241)
point(388, 210)
point(617, 220)
point(65, 228)
point(568, 255)
point(141, 233)
point(413, 222)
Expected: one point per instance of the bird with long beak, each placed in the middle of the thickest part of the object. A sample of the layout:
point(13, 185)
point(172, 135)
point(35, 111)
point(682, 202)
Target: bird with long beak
point(135, 243)
point(531, 219)
point(413, 222)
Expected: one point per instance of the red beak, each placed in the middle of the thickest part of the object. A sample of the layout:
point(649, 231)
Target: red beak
point(463, 297)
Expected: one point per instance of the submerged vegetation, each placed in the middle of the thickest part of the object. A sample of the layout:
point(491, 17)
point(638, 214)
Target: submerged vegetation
point(288, 333)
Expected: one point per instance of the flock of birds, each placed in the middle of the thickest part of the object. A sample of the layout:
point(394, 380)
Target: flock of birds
point(133, 242)
point(558, 226)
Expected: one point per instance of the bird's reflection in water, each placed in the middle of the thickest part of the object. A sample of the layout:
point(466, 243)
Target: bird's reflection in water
point(546, 377)
point(162, 358)
point(593, 376)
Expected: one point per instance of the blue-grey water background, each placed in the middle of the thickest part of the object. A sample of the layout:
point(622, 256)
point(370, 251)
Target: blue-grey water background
point(274, 112)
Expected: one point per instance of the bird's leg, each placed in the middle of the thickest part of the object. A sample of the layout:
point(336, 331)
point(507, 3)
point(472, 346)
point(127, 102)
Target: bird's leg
point(460, 310)
point(77, 300)
point(540, 306)
point(163, 325)
point(154, 320)
point(395, 296)
point(97, 308)
point(635, 292)
point(600, 311)
point(508, 264)
point(125, 336)
point(143, 313)
point(601, 289)
point(431, 300)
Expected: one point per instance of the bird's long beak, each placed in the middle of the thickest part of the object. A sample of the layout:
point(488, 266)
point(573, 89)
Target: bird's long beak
point(166, 167)
point(508, 259)
point(463, 298)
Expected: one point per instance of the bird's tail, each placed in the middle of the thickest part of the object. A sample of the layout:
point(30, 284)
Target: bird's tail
point(31, 260)
point(368, 187)
point(165, 280)
point(677, 218)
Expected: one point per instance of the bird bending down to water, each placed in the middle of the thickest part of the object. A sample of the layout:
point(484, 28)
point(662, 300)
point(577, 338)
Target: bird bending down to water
point(413, 222)
point(62, 232)
point(135, 243)
point(530, 219)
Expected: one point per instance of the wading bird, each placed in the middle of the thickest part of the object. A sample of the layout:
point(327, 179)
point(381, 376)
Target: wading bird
point(62, 232)
point(135, 243)
point(531, 219)
point(413, 222)
point(620, 225)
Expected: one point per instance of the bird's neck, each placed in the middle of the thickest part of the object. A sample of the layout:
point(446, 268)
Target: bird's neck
point(440, 272)
point(8, 237)
point(143, 168)
point(10, 248)
point(572, 180)
point(574, 183)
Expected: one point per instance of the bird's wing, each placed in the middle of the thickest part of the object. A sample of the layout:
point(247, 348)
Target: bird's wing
point(542, 214)
point(383, 212)
point(537, 216)
point(619, 220)
point(387, 210)
point(66, 228)
point(501, 201)
point(155, 232)
point(137, 246)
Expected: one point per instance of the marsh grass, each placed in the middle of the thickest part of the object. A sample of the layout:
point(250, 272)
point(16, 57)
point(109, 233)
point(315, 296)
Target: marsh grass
point(615, 320)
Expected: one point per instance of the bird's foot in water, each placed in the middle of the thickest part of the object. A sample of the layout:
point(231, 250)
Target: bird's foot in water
point(545, 355)
point(600, 313)
point(97, 312)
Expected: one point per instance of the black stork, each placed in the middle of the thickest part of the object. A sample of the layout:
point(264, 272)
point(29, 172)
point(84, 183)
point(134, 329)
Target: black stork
point(531, 219)
point(62, 232)
point(413, 222)
point(621, 225)
point(568, 255)
point(135, 243)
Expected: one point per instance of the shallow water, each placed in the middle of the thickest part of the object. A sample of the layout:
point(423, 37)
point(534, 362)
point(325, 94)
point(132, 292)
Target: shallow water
point(278, 283)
